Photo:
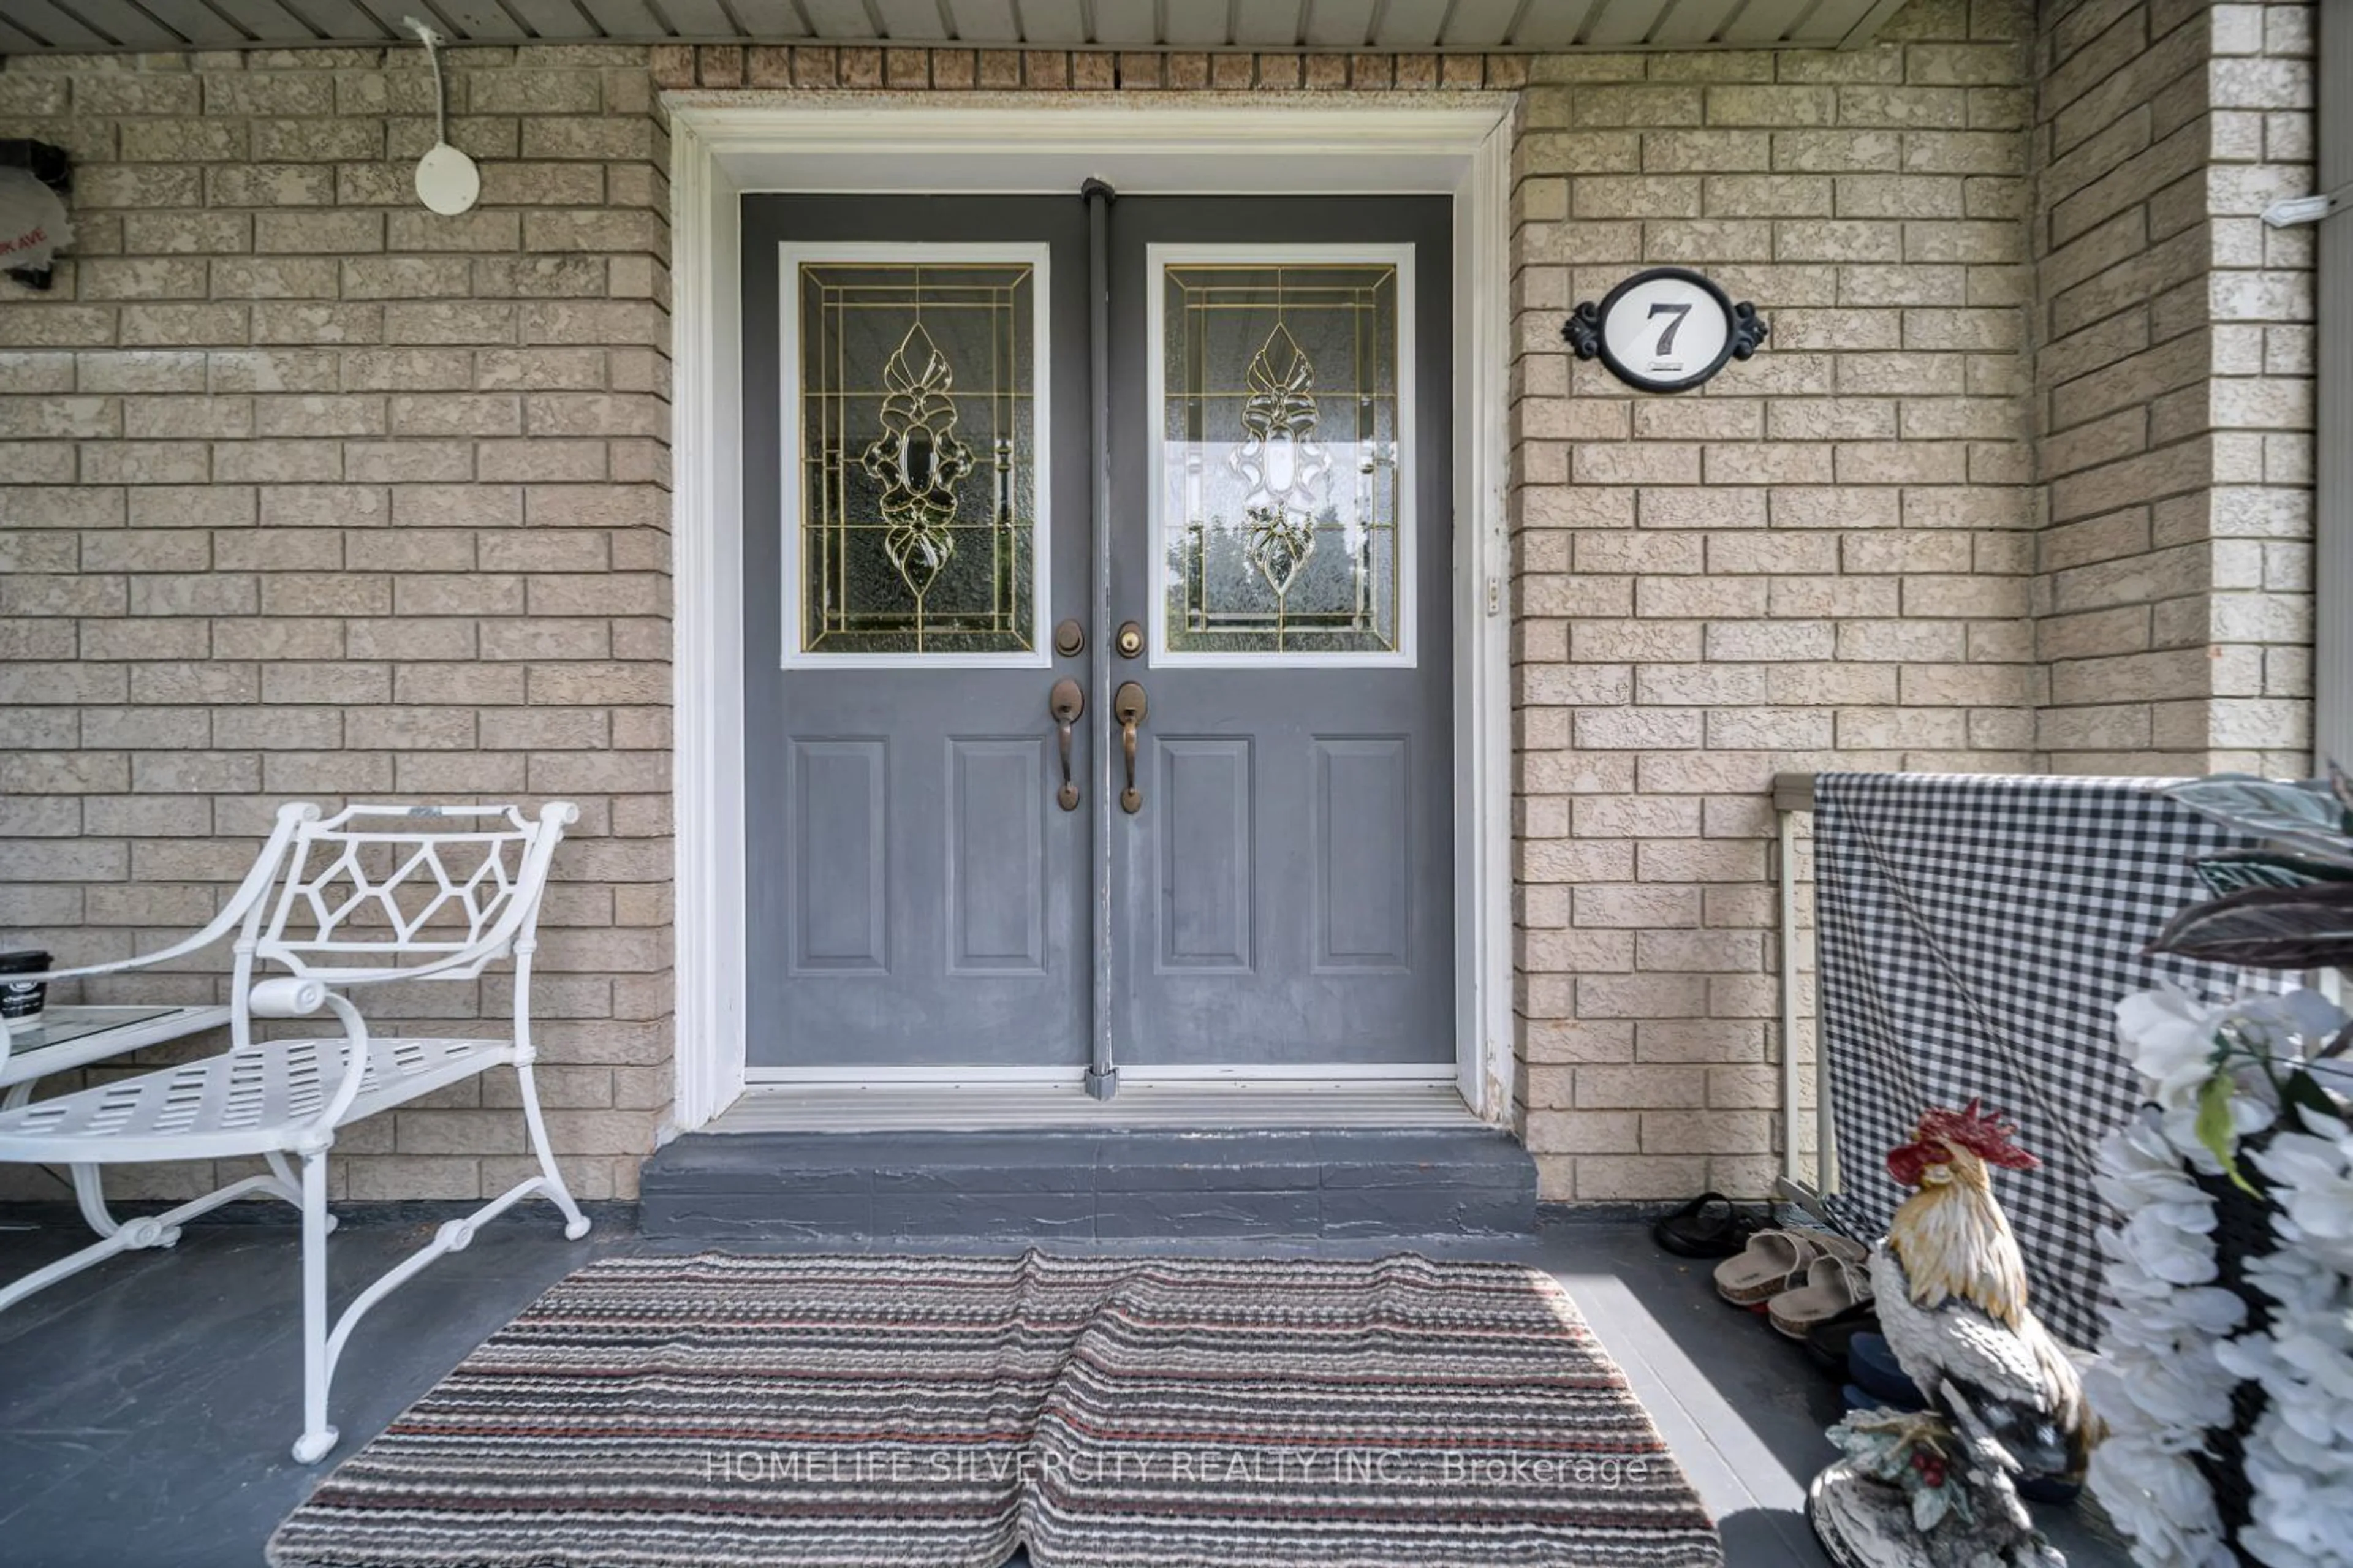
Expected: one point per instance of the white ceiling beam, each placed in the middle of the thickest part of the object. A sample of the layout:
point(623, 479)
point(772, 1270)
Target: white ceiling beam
point(195, 22)
point(1339, 24)
point(984, 21)
point(1828, 23)
point(1479, 24)
point(1410, 24)
point(344, 21)
point(912, 21)
point(126, 23)
point(1762, 22)
point(769, 21)
point(1130, 24)
point(1620, 24)
point(269, 21)
point(392, 16)
point(70, 26)
point(1550, 24)
point(1052, 24)
point(698, 19)
point(1199, 22)
point(45, 22)
point(624, 19)
point(557, 19)
point(845, 20)
point(1273, 24)
point(1692, 21)
point(476, 21)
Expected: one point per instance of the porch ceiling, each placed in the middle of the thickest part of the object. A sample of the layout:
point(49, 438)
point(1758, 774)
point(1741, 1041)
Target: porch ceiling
point(38, 26)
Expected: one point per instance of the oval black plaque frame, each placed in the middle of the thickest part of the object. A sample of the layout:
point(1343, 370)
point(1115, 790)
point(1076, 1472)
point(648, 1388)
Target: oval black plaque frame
point(1744, 329)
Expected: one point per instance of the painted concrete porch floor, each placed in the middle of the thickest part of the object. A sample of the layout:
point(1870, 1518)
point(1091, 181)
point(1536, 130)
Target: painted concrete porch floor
point(146, 1406)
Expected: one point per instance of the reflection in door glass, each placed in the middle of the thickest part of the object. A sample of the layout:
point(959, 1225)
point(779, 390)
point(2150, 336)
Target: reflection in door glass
point(1279, 506)
point(918, 458)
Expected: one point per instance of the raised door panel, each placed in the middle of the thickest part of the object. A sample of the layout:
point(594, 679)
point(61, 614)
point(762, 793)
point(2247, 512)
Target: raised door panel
point(1364, 838)
point(997, 854)
point(840, 867)
point(1206, 864)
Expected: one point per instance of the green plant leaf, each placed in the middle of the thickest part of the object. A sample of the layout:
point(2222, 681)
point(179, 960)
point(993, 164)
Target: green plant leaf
point(2235, 870)
point(2302, 1091)
point(2305, 817)
point(2217, 1132)
point(2267, 928)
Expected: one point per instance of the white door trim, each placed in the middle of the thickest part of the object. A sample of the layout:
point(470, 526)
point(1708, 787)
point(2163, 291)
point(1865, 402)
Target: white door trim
point(724, 144)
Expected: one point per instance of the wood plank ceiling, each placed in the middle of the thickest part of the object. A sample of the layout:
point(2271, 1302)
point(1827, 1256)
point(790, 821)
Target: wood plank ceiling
point(86, 26)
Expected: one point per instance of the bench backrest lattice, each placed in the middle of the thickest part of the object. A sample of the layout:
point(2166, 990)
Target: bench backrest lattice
point(374, 888)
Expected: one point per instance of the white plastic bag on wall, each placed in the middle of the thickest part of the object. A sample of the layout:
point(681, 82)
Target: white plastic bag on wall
point(33, 221)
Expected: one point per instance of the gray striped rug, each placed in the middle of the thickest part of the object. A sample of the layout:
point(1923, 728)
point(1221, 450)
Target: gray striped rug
point(864, 1412)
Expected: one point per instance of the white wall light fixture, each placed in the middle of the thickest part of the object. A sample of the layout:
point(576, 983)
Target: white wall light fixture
point(447, 179)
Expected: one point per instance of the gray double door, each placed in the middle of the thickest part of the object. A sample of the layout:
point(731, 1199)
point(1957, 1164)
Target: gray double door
point(1213, 827)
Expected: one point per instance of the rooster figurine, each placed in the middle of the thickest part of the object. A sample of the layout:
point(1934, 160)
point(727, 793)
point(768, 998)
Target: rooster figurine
point(2006, 1404)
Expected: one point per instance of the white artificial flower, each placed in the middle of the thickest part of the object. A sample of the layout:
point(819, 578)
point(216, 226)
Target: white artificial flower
point(2172, 1038)
point(2161, 1501)
point(2169, 1361)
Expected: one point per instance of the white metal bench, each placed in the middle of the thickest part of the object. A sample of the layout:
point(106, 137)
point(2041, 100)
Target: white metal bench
point(374, 893)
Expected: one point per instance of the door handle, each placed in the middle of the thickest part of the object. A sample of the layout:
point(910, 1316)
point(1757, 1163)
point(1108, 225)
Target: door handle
point(1066, 702)
point(1127, 706)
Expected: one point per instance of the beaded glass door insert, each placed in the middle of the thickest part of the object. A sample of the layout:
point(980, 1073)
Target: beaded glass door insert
point(922, 524)
point(1282, 506)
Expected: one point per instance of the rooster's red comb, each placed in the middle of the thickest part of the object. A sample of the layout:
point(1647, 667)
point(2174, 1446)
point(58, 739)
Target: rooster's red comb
point(1991, 1138)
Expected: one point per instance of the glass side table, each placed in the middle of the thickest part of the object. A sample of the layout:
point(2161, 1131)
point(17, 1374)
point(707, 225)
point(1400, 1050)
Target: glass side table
point(72, 1036)
point(68, 1038)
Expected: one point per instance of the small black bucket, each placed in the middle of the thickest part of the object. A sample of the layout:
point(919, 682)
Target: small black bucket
point(21, 1000)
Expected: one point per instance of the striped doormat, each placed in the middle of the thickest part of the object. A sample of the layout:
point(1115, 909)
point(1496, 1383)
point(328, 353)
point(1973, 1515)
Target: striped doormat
point(876, 1412)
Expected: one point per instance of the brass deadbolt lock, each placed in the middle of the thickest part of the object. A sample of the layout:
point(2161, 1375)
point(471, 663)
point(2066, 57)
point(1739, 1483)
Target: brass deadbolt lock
point(1130, 640)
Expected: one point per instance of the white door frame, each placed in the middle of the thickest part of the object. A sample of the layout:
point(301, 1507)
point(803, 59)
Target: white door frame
point(724, 144)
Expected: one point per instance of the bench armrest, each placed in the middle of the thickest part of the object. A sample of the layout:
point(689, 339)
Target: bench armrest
point(240, 903)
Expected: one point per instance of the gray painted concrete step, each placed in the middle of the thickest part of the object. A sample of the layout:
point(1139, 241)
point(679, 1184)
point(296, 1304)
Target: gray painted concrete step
point(1089, 1185)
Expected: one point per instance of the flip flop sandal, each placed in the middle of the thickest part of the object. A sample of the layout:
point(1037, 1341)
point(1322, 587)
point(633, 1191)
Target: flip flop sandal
point(1833, 1284)
point(1767, 1265)
point(1710, 1225)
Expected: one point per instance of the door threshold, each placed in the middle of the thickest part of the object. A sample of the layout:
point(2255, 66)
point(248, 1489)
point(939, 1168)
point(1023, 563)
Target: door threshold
point(1215, 1103)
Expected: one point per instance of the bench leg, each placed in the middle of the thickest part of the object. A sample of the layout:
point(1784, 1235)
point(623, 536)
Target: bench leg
point(287, 1185)
point(576, 1224)
point(149, 1230)
point(89, 1192)
point(317, 1369)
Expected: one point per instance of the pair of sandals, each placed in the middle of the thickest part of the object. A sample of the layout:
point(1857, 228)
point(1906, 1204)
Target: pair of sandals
point(1803, 1279)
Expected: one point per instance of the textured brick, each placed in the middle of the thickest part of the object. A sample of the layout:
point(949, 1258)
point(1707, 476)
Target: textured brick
point(421, 513)
point(266, 334)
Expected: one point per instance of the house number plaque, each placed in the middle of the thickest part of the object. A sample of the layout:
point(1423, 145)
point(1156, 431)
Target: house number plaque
point(1666, 329)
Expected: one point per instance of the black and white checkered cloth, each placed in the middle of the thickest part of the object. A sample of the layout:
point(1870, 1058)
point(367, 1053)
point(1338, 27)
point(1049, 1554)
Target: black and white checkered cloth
point(1976, 933)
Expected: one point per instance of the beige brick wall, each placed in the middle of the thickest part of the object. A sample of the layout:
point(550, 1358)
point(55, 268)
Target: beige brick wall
point(306, 492)
point(2174, 395)
point(1823, 560)
point(413, 540)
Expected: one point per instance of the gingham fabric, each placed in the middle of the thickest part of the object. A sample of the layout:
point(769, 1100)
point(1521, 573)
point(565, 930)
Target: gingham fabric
point(1976, 933)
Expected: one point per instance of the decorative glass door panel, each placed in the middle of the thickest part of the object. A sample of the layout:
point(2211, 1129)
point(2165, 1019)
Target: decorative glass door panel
point(1282, 896)
point(915, 420)
point(1282, 492)
point(1218, 843)
point(922, 529)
